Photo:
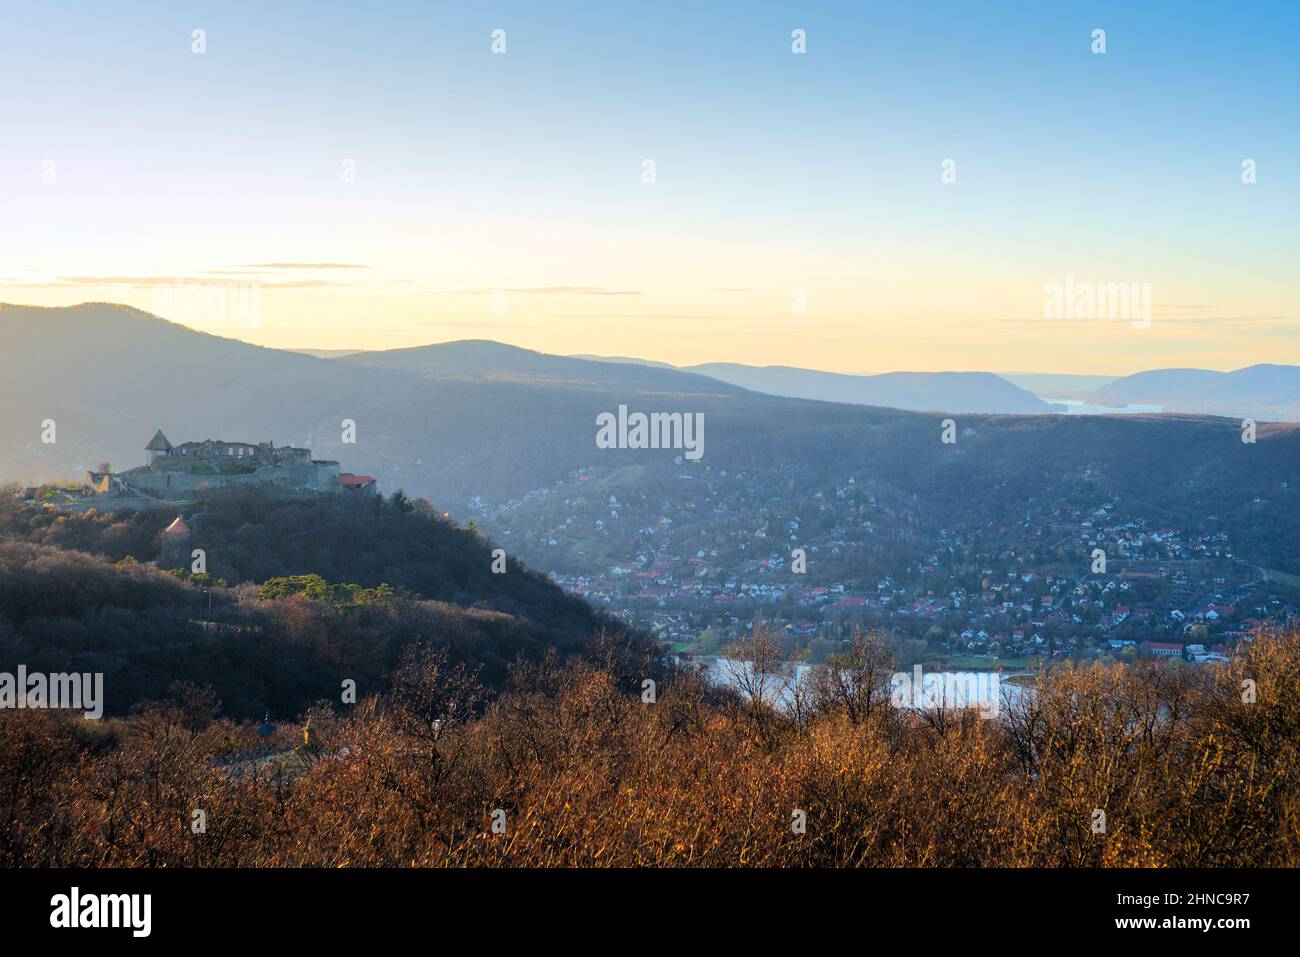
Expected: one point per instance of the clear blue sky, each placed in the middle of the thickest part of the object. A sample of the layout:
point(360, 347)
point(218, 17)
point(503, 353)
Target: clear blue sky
point(818, 171)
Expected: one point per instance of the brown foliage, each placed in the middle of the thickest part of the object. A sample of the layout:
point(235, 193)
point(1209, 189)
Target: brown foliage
point(1187, 770)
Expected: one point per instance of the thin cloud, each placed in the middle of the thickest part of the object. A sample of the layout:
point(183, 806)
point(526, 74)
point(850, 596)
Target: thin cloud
point(545, 291)
point(149, 282)
point(300, 266)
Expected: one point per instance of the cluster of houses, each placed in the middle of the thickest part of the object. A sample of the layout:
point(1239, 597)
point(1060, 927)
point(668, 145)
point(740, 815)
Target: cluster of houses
point(718, 556)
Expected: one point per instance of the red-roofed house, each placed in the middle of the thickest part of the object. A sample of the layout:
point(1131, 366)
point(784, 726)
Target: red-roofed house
point(359, 483)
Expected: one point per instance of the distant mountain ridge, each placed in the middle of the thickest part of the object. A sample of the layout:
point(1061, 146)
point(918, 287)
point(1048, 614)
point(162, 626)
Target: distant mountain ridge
point(1265, 390)
point(449, 424)
point(984, 392)
point(1270, 391)
point(480, 359)
point(917, 391)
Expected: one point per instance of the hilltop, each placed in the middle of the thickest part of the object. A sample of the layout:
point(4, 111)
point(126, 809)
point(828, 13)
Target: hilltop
point(299, 594)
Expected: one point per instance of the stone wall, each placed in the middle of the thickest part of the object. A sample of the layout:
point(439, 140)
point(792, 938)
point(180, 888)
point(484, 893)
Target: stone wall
point(317, 476)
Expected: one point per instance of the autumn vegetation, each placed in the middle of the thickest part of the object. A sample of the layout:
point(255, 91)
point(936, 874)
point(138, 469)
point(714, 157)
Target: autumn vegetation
point(581, 763)
point(299, 594)
point(428, 712)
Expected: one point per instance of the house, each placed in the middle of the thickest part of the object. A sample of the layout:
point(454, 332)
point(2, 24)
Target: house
point(359, 484)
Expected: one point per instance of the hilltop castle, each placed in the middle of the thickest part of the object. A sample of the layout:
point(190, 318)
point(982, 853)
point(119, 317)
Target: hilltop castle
point(178, 471)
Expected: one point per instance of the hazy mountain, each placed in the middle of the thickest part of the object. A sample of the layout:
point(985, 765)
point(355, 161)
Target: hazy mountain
point(480, 359)
point(921, 391)
point(105, 374)
point(439, 422)
point(1161, 384)
point(1265, 391)
point(918, 391)
point(448, 421)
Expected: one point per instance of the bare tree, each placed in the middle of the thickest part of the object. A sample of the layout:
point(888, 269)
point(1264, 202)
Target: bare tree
point(431, 700)
point(757, 669)
point(856, 680)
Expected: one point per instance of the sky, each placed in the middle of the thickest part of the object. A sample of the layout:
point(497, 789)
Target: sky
point(913, 192)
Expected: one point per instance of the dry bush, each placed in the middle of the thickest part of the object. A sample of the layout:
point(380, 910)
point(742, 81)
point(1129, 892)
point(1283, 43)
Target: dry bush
point(1188, 768)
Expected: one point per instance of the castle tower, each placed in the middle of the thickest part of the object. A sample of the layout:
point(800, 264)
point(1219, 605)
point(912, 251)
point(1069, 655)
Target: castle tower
point(158, 445)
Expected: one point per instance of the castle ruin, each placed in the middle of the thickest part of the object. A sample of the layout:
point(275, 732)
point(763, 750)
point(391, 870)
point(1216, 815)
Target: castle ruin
point(181, 471)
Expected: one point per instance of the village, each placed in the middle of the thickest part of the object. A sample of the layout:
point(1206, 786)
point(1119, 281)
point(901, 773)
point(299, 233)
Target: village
point(701, 567)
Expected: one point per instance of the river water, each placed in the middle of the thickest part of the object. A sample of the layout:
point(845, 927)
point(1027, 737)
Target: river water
point(916, 688)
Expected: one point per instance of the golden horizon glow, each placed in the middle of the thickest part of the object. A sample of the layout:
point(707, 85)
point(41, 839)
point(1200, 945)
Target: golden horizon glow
point(751, 326)
point(387, 204)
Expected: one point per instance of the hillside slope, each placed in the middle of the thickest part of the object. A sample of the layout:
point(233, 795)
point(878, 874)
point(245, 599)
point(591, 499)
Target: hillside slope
point(73, 593)
point(918, 391)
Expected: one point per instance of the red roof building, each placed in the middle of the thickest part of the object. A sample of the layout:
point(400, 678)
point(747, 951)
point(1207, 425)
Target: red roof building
point(358, 483)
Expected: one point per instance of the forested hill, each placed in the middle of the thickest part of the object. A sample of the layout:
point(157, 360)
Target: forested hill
point(293, 602)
